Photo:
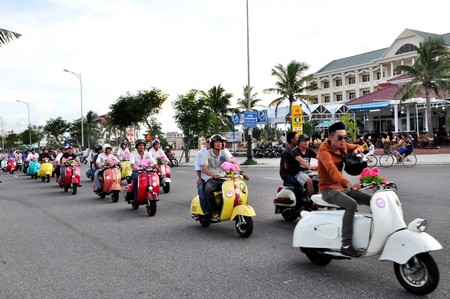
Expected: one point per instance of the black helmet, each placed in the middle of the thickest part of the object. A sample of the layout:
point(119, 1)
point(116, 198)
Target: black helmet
point(97, 148)
point(214, 138)
point(122, 143)
point(139, 141)
point(354, 164)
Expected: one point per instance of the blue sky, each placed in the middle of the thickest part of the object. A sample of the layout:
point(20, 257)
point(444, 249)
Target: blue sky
point(178, 45)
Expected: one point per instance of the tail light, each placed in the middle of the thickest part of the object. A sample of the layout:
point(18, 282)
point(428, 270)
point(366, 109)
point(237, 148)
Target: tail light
point(279, 189)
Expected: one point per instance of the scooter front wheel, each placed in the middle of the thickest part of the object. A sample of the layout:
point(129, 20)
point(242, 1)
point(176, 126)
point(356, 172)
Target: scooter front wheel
point(74, 189)
point(244, 226)
point(420, 275)
point(166, 187)
point(289, 215)
point(151, 208)
point(115, 196)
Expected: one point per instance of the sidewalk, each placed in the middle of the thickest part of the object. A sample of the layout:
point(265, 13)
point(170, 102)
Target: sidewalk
point(423, 158)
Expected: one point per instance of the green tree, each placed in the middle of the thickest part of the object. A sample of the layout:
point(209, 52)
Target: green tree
point(36, 135)
point(431, 70)
point(56, 128)
point(242, 103)
point(291, 84)
point(132, 110)
point(351, 127)
point(191, 117)
point(12, 140)
point(218, 101)
point(91, 128)
point(7, 36)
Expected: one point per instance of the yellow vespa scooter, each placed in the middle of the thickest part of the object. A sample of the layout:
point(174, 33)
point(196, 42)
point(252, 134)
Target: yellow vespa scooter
point(46, 170)
point(232, 202)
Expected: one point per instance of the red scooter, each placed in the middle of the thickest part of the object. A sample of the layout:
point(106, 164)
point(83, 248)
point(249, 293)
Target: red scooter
point(163, 171)
point(147, 191)
point(72, 178)
point(11, 166)
point(110, 183)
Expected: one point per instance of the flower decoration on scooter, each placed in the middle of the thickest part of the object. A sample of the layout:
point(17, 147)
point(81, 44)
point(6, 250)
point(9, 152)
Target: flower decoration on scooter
point(368, 177)
point(109, 162)
point(145, 163)
point(160, 160)
point(230, 167)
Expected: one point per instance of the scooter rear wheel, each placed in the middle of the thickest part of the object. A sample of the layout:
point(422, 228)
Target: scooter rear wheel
point(204, 222)
point(420, 275)
point(151, 208)
point(289, 215)
point(244, 229)
point(134, 206)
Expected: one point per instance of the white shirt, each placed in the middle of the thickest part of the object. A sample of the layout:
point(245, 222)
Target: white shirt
point(158, 153)
point(31, 156)
point(121, 152)
point(135, 158)
point(103, 157)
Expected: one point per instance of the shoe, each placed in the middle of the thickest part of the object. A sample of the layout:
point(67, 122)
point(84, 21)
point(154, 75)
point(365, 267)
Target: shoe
point(350, 251)
point(215, 216)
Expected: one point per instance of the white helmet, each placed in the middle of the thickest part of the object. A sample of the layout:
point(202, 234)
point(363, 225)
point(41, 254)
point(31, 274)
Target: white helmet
point(107, 145)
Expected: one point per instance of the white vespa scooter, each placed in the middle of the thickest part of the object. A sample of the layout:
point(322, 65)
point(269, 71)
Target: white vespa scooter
point(318, 234)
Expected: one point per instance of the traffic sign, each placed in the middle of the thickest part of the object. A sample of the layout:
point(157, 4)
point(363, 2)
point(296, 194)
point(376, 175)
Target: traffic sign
point(250, 119)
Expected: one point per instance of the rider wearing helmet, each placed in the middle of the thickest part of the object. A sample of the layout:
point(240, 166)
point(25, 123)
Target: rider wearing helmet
point(137, 158)
point(335, 187)
point(303, 154)
point(44, 154)
point(68, 156)
point(156, 151)
point(104, 160)
point(123, 153)
point(212, 168)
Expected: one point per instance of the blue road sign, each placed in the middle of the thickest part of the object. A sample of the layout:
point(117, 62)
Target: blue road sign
point(250, 119)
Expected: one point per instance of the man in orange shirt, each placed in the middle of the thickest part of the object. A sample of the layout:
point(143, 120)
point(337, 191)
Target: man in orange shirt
point(335, 187)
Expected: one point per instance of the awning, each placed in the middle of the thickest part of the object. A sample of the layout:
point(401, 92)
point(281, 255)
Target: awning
point(324, 124)
point(368, 106)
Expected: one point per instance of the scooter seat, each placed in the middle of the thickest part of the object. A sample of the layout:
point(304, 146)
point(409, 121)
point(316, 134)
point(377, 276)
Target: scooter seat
point(317, 199)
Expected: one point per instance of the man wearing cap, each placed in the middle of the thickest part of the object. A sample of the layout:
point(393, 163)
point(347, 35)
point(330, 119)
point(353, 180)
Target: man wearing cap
point(202, 177)
point(69, 155)
point(136, 158)
point(303, 154)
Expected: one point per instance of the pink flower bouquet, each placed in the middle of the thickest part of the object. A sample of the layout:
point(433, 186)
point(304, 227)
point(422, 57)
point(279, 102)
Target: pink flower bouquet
point(371, 177)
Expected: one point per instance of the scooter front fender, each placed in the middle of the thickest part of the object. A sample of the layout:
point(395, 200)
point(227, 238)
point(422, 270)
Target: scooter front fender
point(244, 210)
point(404, 244)
point(165, 180)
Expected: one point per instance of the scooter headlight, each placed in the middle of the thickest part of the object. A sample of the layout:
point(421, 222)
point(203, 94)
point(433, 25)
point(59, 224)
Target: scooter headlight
point(418, 224)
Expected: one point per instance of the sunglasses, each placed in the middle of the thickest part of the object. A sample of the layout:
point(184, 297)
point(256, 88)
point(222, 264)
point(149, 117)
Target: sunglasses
point(341, 137)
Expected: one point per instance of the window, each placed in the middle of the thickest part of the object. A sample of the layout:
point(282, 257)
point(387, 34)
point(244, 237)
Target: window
point(338, 82)
point(351, 95)
point(338, 97)
point(366, 78)
point(351, 80)
point(326, 85)
point(327, 99)
point(365, 92)
point(406, 48)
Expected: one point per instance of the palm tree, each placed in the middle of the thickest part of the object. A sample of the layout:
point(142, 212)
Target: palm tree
point(6, 36)
point(242, 103)
point(91, 126)
point(218, 101)
point(291, 84)
point(430, 71)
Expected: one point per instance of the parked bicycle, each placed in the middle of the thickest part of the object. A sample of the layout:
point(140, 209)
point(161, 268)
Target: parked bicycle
point(388, 158)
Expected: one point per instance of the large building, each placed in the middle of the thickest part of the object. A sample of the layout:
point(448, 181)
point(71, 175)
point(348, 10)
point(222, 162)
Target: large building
point(367, 85)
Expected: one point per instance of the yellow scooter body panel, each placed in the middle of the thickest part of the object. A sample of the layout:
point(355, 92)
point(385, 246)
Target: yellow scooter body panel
point(196, 207)
point(229, 190)
point(244, 210)
point(46, 168)
point(126, 168)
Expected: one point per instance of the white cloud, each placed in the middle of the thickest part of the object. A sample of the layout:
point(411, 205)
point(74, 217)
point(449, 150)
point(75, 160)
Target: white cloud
point(177, 45)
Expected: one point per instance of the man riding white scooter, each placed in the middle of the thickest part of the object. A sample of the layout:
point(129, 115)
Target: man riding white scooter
point(335, 187)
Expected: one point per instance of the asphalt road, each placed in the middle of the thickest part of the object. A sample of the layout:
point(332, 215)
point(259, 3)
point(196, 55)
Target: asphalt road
point(58, 245)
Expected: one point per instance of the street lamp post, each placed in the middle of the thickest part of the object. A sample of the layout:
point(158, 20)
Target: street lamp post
point(3, 136)
point(29, 122)
point(81, 101)
point(249, 107)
